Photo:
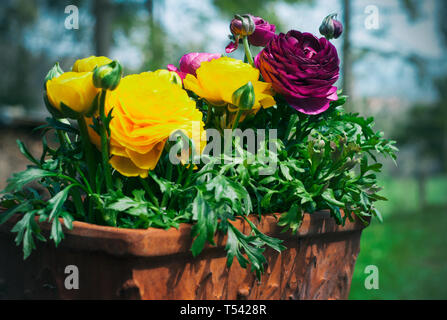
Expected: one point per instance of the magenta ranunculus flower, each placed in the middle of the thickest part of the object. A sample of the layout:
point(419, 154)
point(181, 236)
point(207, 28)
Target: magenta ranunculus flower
point(264, 32)
point(303, 69)
point(190, 62)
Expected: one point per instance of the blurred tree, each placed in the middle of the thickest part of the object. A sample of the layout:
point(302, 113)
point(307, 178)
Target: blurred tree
point(347, 50)
point(103, 12)
point(353, 53)
point(22, 67)
point(425, 132)
point(426, 127)
point(412, 8)
point(155, 48)
point(15, 16)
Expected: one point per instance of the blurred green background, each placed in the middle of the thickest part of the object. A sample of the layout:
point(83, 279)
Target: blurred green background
point(393, 68)
point(409, 248)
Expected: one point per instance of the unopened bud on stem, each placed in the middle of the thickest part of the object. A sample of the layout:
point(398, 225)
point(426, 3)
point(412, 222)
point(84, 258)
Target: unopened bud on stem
point(244, 97)
point(331, 28)
point(242, 25)
point(55, 72)
point(108, 76)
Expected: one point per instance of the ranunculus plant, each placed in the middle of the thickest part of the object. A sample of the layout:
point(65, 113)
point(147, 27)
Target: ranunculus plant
point(206, 143)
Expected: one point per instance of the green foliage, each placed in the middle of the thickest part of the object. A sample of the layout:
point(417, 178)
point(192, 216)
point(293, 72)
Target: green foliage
point(322, 162)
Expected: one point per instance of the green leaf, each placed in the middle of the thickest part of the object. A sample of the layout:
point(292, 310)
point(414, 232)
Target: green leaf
point(226, 189)
point(164, 185)
point(267, 198)
point(206, 223)
point(336, 213)
point(292, 218)
point(286, 172)
point(26, 153)
point(55, 203)
point(251, 246)
point(377, 214)
point(68, 220)
point(341, 101)
point(233, 249)
point(53, 123)
point(20, 179)
point(55, 206)
point(122, 204)
point(20, 208)
point(273, 243)
point(56, 232)
point(26, 228)
point(329, 196)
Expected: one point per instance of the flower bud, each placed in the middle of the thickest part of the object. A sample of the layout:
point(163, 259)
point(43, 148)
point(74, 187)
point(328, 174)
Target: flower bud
point(331, 28)
point(242, 25)
point(108, 76)
point(321, 144)
point(56, 71)
point(244, 97)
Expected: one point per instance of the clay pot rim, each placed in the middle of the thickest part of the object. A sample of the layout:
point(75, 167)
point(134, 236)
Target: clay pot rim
point(154, 242)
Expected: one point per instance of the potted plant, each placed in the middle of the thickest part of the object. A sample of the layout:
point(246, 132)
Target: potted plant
point(160, 180)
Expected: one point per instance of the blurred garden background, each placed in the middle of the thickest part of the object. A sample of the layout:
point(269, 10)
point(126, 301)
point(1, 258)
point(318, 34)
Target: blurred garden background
point(393, 68)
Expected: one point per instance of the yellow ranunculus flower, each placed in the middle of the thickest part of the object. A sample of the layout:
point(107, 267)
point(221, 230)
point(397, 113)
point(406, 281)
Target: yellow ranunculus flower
point(74, 89)
point(217, 80)
point(88, 64)
point(147, 108)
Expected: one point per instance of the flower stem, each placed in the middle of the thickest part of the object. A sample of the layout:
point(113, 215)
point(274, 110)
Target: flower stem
point(165, 199)
point(149, 192)
point(64, 141)
point(189, 175)
point(105, 142)
point(238, 117)
point(247, 51)
point(88, 150)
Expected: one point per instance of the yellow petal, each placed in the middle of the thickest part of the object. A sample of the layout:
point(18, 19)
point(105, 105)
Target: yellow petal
point(88, 64)
point(149, 160)
point(191, 83)
point(127, 168)
point(76, 90)
point(94, 137)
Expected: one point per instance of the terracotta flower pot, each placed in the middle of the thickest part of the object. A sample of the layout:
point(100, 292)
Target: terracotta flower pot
point(157, 264)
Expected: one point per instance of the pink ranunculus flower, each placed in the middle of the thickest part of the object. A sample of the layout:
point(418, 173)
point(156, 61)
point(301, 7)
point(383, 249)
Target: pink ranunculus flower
point(190, 62)
point(264, 32)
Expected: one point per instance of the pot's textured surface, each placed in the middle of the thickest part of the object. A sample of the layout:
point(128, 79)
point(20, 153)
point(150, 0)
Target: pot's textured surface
point(157, 264)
